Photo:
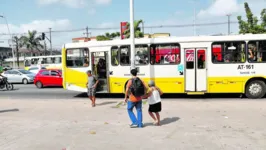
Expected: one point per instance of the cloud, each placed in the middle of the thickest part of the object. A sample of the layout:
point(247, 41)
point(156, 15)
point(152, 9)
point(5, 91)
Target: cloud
point(214, 13)
point(69, 3)
point(58, 38)
point(178, 13)
point(39, 26)
point(75, 3)
point(220, 8)
point(92, 11)
point(103, 2)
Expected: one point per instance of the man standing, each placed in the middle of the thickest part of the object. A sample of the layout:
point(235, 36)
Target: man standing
point(137, 89)
point(92, 85)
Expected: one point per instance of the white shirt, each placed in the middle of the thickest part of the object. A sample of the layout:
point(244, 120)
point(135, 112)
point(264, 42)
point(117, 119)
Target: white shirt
point(137, 59)
point(154, 98)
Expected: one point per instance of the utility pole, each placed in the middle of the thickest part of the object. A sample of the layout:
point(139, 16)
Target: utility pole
point(45, 49)
point(51, 51)
point(229, 15)
point(143, 27)
point(132, 34)
point(87, 32)
point(195, 32)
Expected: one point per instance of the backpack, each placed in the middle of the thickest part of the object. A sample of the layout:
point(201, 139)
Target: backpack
point(137, 87)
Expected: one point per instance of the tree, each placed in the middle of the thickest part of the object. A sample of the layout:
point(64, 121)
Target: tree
point(138, 33)
point(32, 41)
point(18, 43)
point(251, 25)
point(108, 36)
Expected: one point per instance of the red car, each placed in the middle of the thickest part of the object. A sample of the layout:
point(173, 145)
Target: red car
point(46, 78)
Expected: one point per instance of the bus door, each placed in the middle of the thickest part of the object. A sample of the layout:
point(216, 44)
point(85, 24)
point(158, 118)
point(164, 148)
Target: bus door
point(99, 61)
point(195, 70)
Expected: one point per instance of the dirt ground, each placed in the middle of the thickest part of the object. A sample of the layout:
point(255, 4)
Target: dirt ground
point(187, 124)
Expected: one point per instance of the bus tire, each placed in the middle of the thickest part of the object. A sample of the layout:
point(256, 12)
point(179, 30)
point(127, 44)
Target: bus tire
point(255, 89)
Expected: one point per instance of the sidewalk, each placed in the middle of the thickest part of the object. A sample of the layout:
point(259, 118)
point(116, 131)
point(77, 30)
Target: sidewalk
point(187, 124)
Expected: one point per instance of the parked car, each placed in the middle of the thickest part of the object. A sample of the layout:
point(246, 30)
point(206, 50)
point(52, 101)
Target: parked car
point(46, 78)
point(19, 76)
point(36, 69)
point(6, 67)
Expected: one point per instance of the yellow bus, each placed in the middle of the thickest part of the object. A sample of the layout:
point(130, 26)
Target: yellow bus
point(192, 65)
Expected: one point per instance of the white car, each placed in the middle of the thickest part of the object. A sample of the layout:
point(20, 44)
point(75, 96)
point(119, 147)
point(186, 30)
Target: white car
point(19, 76)
point(35, 70)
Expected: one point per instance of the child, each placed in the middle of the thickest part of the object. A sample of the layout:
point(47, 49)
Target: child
point(154, 100)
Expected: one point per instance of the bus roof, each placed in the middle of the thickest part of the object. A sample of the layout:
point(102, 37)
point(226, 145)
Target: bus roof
point(118, 42)
point(43, 56)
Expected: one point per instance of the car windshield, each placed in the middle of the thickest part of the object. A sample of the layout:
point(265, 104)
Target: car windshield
point(24, 72)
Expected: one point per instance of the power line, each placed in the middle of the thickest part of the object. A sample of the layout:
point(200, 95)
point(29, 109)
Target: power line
point(118, 28)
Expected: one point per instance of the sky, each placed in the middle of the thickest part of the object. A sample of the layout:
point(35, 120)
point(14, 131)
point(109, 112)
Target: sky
point(76, 15)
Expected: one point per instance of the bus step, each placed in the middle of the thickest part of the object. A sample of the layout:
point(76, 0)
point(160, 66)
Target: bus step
point(195, 93)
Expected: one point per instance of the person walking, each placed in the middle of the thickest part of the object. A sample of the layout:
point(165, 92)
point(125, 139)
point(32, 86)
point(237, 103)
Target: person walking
point(135, 88)
point(91, 86)
point(154, 100)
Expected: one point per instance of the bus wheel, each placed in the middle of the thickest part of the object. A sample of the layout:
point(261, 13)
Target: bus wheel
point(255, 89)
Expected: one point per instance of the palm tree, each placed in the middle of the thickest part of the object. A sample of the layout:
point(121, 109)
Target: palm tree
point(108, 36)
point(32, 41)
point(138, 33)
point(19, 43)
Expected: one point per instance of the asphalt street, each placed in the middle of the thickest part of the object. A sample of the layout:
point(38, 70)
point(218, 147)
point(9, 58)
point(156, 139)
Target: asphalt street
point(31, 92)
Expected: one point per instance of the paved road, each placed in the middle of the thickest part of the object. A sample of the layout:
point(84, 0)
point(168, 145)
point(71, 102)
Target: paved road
point(186, 125)
point(31, 92)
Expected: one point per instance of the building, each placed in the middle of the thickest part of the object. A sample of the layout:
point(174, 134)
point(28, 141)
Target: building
point(83, 39)
point(5, 52)
point(156, 35)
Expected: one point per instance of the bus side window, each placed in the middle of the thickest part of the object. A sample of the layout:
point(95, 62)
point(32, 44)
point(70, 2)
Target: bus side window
point(44, 61)
point(229, 52)
point(256, 51)
point(115, 56)
point(164, 54)
point(142, 55)
point(49, 60)
point(76, 57)
point(125, 55)
point(57, 60)
point(27, 63)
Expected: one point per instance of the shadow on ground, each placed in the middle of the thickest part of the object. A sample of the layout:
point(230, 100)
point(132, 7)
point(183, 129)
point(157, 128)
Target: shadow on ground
point(165, 121)
point(8, 110)
point(171, 96)
point(106, 103)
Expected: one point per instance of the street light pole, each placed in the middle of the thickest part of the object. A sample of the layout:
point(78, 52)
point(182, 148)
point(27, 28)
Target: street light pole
point(13, 55)
point(132, 34)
